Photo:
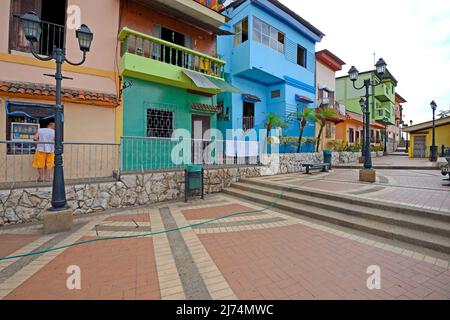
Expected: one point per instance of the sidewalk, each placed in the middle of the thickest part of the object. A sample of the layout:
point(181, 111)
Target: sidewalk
point(262, 255)
point(396, 162)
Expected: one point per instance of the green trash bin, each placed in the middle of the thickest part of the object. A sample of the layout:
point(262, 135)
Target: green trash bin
point(193, 181)
point(328, 157)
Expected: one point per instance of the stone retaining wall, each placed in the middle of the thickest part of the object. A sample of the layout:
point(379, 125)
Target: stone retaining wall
point(27, 205)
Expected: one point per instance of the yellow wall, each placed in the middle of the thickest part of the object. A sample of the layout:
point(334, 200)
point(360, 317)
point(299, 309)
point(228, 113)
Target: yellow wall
point(442, 138)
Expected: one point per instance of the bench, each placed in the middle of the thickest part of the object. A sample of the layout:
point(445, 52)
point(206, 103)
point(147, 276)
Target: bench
point(316, 166)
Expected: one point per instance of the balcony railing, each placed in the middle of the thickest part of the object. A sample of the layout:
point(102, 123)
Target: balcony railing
point(248, 123)
point(153, 48)
point(53, 35)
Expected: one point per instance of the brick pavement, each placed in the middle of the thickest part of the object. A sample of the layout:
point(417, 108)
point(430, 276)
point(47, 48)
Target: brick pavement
point(270, 255)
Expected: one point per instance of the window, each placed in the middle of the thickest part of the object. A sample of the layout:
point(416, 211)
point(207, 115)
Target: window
point(53, 16)
point(275, 94)
point(301, 56)
point(351, 135)
point(378, 137)
point(159, 123)
point(241, 32)
point(329, 130)
point(268, 35)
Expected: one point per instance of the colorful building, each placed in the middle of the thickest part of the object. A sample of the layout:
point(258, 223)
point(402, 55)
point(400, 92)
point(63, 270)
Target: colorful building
point(172, 74)
point(381, 106)
point(271, 58)
point(327, 64)
point(421, 137)
point(394, 132)
point(90, 97)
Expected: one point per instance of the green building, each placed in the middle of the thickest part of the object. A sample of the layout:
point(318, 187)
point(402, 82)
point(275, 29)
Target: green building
point(171, 76)
point(382, 101)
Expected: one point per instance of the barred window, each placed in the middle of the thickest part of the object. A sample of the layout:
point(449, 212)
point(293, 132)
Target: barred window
point(159, 123)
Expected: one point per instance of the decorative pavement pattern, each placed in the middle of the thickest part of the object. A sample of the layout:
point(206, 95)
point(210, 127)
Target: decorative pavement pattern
point(268, 255)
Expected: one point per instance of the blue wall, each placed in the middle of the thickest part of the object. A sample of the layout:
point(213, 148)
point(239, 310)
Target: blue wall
point(258, 70)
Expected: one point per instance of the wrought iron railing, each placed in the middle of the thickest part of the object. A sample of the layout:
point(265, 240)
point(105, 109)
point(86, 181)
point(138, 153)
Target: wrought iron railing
point(82, 160)
point(147, 154)
point(53, 35)
point(153, 48)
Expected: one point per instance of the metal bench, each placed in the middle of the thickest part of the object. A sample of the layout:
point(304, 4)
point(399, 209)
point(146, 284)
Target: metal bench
point(324, 167)
point(446, 171)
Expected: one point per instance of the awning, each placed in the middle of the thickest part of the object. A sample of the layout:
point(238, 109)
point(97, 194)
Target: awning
point(250, 98)
point(204, 107)
point(30, 110)
point(200, 80)
point(303, 99)
point(205, 82)
point(225, 86)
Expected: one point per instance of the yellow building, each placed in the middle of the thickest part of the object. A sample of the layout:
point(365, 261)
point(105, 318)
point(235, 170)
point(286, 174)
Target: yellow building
point(421, 137)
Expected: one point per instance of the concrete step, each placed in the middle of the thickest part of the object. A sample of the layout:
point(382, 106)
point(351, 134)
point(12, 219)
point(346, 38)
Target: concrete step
point(366, 203)
point(420, 223)
point(391, 226)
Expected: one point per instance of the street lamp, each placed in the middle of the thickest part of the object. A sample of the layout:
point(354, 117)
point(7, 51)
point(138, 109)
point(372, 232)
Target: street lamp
point(32, 30)
point(362, 104)
point(434, 157)
point(385, 121)
point(368, 83)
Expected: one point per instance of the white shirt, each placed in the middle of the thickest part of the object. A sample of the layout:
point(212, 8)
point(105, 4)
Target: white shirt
point(46, 135)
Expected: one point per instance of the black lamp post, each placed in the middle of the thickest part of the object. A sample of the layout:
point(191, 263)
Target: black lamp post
point(362, 104)
point(32, 30)
point(385, 121)
point(368, 83)
point(434, 157)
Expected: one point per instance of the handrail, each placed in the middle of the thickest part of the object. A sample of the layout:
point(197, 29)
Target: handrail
point(127, 31)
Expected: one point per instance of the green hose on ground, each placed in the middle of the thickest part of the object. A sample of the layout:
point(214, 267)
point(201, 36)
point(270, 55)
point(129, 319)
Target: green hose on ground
point(151, 234)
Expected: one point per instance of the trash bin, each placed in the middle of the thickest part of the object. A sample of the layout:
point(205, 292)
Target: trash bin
point(328, 157)
point(193, 181)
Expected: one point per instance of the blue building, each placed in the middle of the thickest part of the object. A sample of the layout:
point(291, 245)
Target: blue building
point(271, 57)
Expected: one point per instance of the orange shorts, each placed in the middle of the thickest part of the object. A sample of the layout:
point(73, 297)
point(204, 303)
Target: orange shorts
point(43, 160)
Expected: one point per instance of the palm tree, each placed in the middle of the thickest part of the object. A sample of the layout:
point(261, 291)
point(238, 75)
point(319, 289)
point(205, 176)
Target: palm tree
point(272, 121)
point(305, 116)
point(322, 116)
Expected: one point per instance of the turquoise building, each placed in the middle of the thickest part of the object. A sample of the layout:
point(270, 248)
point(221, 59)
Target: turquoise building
point(270, 57)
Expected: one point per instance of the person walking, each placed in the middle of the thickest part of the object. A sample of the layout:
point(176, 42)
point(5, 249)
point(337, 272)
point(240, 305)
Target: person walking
point(44, 158)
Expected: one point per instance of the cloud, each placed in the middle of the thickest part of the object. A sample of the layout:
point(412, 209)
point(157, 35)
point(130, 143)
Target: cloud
point(413, 36)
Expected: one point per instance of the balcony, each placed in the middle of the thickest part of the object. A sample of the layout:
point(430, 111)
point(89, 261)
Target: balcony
point(53, 35)
point(384, 93)
point(149, 58)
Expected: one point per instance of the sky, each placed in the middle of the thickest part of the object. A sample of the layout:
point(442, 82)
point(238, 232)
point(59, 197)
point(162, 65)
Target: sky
point(412, 36)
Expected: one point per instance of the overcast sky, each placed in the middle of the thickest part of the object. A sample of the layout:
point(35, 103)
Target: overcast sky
point(413, 36)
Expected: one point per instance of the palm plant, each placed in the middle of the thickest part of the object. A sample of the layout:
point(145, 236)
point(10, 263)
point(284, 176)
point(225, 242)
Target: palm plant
point(304, 116)
point(272, 121)
point(322, 116)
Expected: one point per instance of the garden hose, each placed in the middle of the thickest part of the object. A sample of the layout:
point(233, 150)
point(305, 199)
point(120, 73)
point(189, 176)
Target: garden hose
point(151, 234)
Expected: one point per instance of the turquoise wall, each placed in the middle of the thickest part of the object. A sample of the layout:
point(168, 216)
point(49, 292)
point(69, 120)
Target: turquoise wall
point(141, 154)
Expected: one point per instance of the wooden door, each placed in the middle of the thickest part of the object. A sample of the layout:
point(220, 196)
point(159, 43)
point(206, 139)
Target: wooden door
point(200, 127)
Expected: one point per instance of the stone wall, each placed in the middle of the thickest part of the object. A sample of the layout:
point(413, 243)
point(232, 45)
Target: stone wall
point(27, 205)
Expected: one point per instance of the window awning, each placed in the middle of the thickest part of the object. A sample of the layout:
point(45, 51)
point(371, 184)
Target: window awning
point(250, 98)
point(30, 110)
point(303, 99)
point(225, 86)
point(205, 82)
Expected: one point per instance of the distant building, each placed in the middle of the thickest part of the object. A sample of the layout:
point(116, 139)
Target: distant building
point(381, 105)
point(421, 137)
point(327, 64)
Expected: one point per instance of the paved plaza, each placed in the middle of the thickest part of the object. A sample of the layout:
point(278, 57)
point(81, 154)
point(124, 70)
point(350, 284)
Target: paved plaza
point(258, 254)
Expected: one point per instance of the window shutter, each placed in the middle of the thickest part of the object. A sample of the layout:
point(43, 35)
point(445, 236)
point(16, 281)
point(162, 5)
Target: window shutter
point(17, 39)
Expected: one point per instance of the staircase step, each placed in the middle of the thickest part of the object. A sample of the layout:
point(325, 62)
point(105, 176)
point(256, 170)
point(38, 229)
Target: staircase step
point(387, 230)
point(366, 203)
point(400, 219)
